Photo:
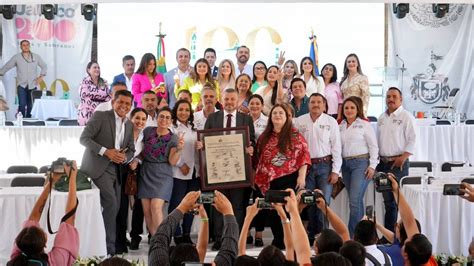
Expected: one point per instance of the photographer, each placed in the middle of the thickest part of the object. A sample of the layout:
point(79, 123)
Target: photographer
point(30, 243)
point(160, 243)
point(468, 191)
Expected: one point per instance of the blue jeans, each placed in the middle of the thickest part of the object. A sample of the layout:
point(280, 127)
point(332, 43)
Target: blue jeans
point(180, 189)
point(391, 209)
point(24, 101)
point(353, 175)
point(318, 178)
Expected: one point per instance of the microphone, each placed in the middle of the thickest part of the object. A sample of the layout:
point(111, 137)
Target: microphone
point(403, 63)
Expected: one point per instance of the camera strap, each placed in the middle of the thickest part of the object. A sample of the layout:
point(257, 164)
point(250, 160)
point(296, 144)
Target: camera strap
point(68, 214)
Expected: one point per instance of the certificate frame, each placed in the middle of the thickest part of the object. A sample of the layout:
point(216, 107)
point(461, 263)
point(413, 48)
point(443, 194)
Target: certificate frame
point(224, 164)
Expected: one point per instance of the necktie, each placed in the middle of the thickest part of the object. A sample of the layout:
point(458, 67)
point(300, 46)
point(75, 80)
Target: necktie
point(229, 121)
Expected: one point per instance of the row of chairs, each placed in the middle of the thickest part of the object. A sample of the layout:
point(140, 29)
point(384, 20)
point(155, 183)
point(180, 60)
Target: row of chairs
point(27, 169)
point(416, 180)
point(445, 167)
point(63, 122)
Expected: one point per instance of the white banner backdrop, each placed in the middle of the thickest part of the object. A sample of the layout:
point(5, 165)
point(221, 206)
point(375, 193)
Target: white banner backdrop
point(65, 44)
point(437, 54)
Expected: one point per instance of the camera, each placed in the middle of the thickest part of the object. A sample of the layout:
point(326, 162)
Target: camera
point(57, 166)
point(382, 183)
point(276, 196)
point(206, 198)
point(310, 197)
point(262, 204)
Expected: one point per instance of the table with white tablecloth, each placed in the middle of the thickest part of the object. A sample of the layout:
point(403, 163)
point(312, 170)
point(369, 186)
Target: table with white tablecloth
point(447, 221)
point(17, 203)
point(39, 145)
point(47, 108)
point(6, 179)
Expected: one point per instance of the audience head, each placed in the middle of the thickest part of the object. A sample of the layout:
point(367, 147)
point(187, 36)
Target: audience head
point(150, 102)
point(298, 88)
point(128, 64)
point(307, 66)
point(401, 233)
point(352, 108)
point(202, 70)
point(138, 117)
point(182, 253)
point(329, 73)
point(243, 84)
point(330, 259)
point(365, 233)
point(182, 112)
point(210, 56)
point(183, 57)
point(208, 96)
point(417, 250)
point(147, 65)
point(31, 241)
point(291, 69)
point(245, 260)
point(317, 104)
point(255, 104)
point(354, 252)
point(118, 86)
point(122, 102)
point(115, 261)
point(243, 55)
point(393, 99)
point(271, 255)
point(327, 241)
point(259, 71)
point(185, 95)
point(230, 98)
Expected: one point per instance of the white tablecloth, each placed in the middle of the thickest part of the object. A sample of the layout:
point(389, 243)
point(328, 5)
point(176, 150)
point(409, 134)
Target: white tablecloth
point(6, 179)
point(447, 221)
point(39, 145)
point(17, 203)
point(46, 108)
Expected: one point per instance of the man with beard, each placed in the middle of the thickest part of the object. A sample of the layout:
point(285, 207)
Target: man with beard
point(229, 118)
point(150, 104)
point(396, 139)
point(321, 131)
point(174, 78)
point(243, 55)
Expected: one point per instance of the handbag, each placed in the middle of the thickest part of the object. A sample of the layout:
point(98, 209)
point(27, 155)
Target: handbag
point(83, 182)
point(131, 183)
point(337, 188)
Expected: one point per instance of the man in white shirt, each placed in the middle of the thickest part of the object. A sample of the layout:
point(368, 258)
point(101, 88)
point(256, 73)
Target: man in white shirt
point(128, 64)
point(209, 99)
point(106, 106)
point(174, 78)
point(366, 234)
point(150, 104)
point(321, 131)
point(396, 139)
point(210, 56)
point(243, 55)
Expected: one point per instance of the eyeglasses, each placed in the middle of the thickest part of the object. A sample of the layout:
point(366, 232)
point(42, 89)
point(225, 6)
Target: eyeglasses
point(165, 117)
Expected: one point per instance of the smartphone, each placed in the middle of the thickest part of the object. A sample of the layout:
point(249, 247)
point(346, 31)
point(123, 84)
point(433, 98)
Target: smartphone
point(369, 212)
point(206, 198)
point(452, 190)
point(262, 204)
point(276, 196)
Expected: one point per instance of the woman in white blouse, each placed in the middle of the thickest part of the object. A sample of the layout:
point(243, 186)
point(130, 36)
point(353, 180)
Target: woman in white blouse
point(226, 76)
point(360, 156)
point(184, 179)
point(259, 119)
point(314, 84)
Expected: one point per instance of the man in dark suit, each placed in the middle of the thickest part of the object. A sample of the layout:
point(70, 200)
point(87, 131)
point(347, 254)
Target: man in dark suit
point(229, 117)
point(128, 64)
point(210, 56)
point(108, 138)
point(174, 78)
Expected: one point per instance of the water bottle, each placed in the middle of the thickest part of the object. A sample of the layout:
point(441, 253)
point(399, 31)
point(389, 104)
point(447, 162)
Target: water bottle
point(19, 119)
point(2, 119)
point(43, 94)
point(424, 182)
point(457, 119)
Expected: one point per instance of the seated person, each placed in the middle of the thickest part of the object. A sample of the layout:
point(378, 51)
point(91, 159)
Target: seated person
point(159, 253)
point(354, 252)
point(30, 243)
point(366, 234)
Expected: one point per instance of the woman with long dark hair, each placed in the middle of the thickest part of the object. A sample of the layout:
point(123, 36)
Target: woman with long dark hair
point(93, 90)
point(146, 78)
point(243, 84)
point(332, 91)
point(354, 82)
point(259, 72)
point(272, 93)
point(314, 84)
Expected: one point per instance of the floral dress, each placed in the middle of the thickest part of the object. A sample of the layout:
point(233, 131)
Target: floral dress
point(91, 96)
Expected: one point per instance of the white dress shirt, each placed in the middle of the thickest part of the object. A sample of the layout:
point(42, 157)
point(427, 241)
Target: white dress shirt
point(187, 154)
point(260, 124)
point(138, 144)
point(152, 121)
point(378, 255)
point(248, 69)
point(128, 82)
point(313, 86)
point(322, 136)
point(358, 139)
point(233, 120)
point(119, 133)
point(396, 133)
point(200, 119)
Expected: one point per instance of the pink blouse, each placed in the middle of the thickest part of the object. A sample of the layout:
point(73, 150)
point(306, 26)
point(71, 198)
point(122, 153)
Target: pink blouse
point(65, 248)
point(334, 97)
point(141, 84)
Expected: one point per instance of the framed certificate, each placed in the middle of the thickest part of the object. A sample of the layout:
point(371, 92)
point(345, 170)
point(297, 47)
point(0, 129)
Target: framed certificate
point(223, 160)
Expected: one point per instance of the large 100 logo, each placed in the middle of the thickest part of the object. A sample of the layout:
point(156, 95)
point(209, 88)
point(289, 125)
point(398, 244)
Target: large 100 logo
point(30, 26)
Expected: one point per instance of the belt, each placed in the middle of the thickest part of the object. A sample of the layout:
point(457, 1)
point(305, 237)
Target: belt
point(361, 156)
point(387, 159)
point(325, 159)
